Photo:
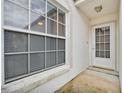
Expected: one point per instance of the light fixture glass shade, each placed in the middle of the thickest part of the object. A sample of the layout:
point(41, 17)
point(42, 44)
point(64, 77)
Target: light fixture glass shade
point(98, 8)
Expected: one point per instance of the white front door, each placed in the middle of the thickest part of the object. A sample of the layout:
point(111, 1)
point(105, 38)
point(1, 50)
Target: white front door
point(103, 45)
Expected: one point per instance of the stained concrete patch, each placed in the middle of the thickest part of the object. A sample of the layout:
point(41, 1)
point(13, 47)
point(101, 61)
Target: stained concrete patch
point(92, 82)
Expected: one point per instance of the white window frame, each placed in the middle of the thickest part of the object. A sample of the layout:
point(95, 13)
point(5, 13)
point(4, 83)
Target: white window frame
point(31, 32)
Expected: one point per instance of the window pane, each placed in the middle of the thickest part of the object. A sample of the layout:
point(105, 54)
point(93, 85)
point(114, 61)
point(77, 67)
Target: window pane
point(102, 31)
point(102, 39)
point(21, 2)
point(15, 65)
point(37, 22)
point(15, 42)
point(97, 31)
point(107, 46)
point(37, 43)
point(51, 27)
point(61, 57)
point(15, 16)
point(50, 59)
point(37, 61)
point(97, 39)
point(97, 46)
point(38, 6)
point(107, 54)
point(61, 30)
point(101, 46)
point(51, 43)
point(61, 16)
point(107, 30)
point(102, 54)
point(97, 54)
point(107, 38)
point(51, 11)
point(61, 44)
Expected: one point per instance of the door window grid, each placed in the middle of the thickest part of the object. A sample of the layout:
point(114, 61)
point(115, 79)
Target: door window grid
point(30, 53)
point(102, 39)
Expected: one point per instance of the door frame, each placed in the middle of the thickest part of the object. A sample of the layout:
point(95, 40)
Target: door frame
point(112, 47)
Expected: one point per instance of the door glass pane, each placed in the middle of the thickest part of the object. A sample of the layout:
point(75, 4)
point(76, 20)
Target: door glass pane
point(102, 54)
point(61, 16)
point(38, 6)
point(97, 54)
point(61, 30)
point(107, 30)
point(23, 3)
point(51, 43)
point(97, 46)
point(50, 59)
point(101, 31)
point(51, 11)
point(15, 65)
point(97, 31)
point(101, 46)
point(107, 46)
point(61, 44)
point(15, 16)
point(107, 54)
point(37, 43)
point(37, 61)
point(102, 39)
point(107, 38)
point(37, 22)
point(15, 42)
point(51, 27)
point(61, 57)
point(97, 39)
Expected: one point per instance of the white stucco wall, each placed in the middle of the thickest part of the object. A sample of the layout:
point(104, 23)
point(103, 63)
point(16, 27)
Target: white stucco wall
point(120, 43)
point(77, 47)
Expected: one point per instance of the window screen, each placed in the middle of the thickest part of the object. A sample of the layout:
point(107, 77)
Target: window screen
point(15, 65)
point(37, 61)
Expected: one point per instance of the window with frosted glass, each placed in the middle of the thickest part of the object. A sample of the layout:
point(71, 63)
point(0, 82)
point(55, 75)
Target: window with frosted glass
point(34, 37)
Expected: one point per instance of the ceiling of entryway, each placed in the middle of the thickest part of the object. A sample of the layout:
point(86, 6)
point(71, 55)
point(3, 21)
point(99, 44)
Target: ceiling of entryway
point(87, 7)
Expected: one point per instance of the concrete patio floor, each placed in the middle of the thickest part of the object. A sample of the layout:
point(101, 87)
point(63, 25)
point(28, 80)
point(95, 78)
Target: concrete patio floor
point(91, 81)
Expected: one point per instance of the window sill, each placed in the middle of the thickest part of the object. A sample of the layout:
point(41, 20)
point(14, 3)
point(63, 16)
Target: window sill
point(31, 82)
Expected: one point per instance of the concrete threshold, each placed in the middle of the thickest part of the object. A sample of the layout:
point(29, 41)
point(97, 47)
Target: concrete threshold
point(104, 70)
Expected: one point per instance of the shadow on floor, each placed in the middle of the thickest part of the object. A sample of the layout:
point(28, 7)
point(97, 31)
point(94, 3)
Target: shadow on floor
point(92, 82)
